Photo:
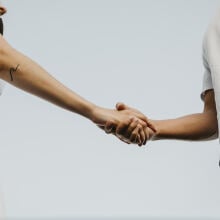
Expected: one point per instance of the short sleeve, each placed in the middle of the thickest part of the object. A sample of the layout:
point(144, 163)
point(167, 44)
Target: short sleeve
point(207, 77)
point(207, 83)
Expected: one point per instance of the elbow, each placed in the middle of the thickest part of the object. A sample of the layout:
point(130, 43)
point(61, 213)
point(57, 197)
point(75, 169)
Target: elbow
point(213, 127)
point(214, 134)
point(207, 136)
point(212, 131)
point(211, 136)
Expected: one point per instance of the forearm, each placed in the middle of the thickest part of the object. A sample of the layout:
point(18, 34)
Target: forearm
point(191, 127)
point(30, 77)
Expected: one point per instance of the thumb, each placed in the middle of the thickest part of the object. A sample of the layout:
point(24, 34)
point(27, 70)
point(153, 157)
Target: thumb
point(121, 106)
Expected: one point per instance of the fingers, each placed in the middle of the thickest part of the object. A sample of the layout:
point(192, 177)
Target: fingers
point(130, 131)
point(136, 130)
point(143, 137)
point(140, 134)
point(141, 130)
point(122, 128)
point(123, 124)
point(130, 128)
point(121, 106)
point(146, 132)
point(135, 137)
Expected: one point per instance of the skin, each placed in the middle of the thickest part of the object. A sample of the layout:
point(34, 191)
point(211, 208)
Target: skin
point(3, 10)
point(23, 73)
point(194, 127)
point(128, 124)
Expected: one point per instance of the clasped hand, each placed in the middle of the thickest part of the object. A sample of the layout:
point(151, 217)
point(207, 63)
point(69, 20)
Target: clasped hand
point(127, 124)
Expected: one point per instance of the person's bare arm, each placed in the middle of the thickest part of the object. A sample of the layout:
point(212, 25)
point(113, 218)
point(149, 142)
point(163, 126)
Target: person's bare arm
point(24, 73)
point(200, 126)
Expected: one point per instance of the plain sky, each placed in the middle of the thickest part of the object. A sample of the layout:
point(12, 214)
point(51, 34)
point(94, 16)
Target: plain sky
point(145, 53)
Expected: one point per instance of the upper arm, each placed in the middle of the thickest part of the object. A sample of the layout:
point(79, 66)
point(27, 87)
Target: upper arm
point(210, 109)
point(209, 101)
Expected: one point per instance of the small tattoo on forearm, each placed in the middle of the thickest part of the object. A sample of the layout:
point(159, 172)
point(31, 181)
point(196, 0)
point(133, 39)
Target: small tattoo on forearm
point(12, 71)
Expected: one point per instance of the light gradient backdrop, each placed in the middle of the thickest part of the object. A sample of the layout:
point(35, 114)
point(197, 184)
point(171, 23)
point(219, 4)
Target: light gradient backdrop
point(145, 53)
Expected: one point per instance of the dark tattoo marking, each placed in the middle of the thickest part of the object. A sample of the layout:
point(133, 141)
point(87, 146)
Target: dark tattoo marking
point(12, 71)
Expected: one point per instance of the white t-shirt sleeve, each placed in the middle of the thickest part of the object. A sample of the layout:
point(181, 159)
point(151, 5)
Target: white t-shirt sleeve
point(207, 83)
point(207, 77)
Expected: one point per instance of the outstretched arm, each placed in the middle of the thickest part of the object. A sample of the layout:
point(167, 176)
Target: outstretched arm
point(200, 126)
point(24, 73)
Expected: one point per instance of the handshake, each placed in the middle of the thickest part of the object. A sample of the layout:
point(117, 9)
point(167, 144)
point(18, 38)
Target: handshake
point(126, 123)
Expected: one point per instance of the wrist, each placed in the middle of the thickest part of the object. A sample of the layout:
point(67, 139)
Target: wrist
point(95, 114)
point(92, 113)
point(100, 116)
point(155, 134)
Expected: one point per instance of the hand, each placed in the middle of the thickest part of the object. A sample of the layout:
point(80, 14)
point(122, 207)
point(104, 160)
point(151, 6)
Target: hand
point(151, 129)
point(115, 122)
point(131, 130)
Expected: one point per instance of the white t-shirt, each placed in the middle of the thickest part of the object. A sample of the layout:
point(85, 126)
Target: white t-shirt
point(211, 60)
point(2, 85)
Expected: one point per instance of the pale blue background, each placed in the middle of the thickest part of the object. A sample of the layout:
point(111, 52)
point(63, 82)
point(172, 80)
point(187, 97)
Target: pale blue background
point(145, 53)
